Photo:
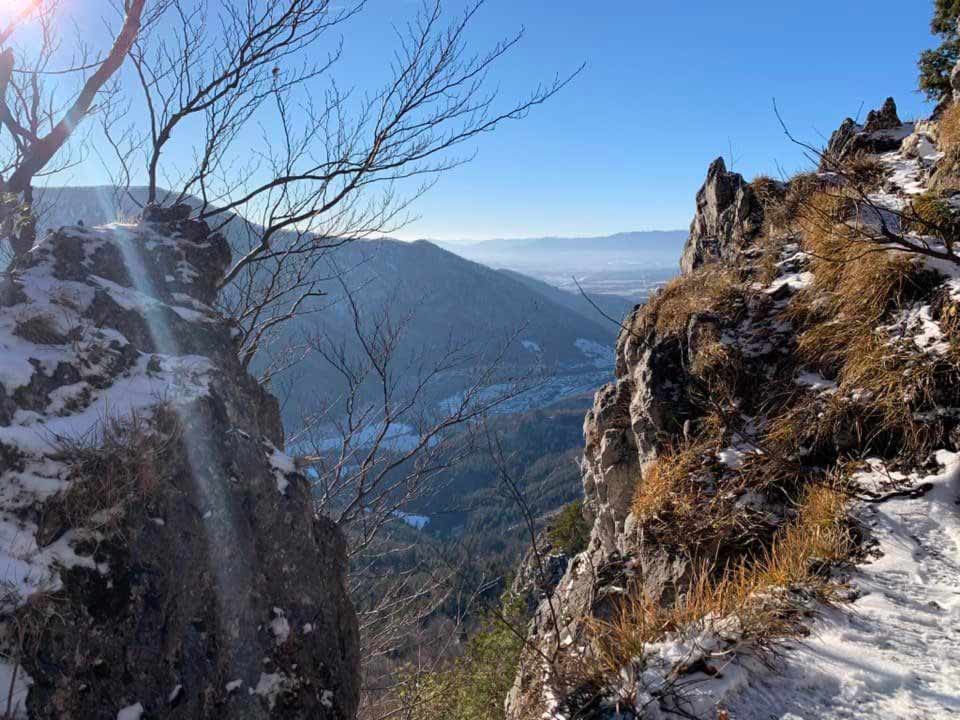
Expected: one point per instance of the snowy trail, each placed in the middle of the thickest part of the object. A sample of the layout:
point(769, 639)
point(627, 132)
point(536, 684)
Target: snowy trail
point(895, 652)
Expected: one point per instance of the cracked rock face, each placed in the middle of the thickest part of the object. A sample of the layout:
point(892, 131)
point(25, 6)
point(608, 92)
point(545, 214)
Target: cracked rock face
point(728, 217)
point(208, 588)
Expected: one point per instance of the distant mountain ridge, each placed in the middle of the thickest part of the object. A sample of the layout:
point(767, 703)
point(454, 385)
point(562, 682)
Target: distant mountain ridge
point(668, 240)
point(441, 297)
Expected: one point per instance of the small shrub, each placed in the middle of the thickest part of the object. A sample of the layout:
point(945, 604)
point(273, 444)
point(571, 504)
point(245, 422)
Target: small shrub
point(569, 531)
point(781, 215)
point(930, 214)
point(476, 684)
point(864, 171)
point(768, 190)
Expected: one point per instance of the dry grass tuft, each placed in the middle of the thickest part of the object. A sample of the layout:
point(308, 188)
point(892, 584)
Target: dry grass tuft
point(124, 461)
point(782, 208)
point(39, 329)
point(710, 288)
point(669, 488)
point(860, 282)
point(821, 535)
point(686, 500)
point(768, 189)
point(754, 602)
point(883, 381)
point(864, 171)
point(950, 128)
point(931, 214)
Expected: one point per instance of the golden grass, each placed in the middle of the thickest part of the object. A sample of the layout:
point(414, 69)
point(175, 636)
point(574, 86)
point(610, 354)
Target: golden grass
point(749, 600)
point(950, 128)
point(666, 485)
point(780, 211)
point(821, 533)
point(864, 171)
point(946, 176)
point(710, 288)
point(883, 382)
point(930, 214)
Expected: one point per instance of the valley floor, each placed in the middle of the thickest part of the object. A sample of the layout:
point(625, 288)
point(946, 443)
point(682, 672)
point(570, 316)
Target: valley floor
point(895, 651)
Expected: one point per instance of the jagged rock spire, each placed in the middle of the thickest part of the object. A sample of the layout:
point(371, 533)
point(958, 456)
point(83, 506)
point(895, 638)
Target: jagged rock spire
point(728, 216)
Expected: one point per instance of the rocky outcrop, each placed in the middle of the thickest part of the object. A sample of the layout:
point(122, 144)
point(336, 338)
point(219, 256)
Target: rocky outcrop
point(164, 557)
point(621, 430)
point(728, 217)
point(882, 132)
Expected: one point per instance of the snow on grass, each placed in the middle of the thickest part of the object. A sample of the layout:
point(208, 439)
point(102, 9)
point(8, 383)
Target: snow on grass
point(794, 281)
point(895, 652)
point(815, 381)
point(45, 329)
point(732, 457)
point(916, 324)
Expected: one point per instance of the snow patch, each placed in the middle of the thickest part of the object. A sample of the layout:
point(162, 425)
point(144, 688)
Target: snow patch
point(418, 522)
point(280, 626)
point(916, 324)
point(283, 466)
point(794, 281)
point(131, 712)
point(815, 381)
point(598, 354)
point(272, 685)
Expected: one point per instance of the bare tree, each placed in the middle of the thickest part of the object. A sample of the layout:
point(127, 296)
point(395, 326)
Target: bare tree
point(40, 116)
point(871, 224)
point(330, 166)
point(384, 444)
point(388, 440)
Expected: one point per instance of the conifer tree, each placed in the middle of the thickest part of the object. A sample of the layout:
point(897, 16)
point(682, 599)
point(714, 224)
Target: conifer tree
point(937, 64)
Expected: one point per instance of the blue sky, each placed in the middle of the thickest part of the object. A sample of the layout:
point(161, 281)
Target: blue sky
point(667, 87)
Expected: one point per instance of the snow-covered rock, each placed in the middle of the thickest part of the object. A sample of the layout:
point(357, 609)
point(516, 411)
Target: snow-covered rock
point(148, 524)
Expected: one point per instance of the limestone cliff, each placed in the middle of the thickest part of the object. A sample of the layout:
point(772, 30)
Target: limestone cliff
point(162, 558)
point(745, 393)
